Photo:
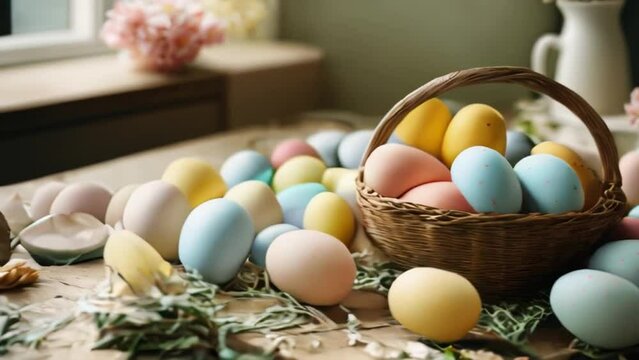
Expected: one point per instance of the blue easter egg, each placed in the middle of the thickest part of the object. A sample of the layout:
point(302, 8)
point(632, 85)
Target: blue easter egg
point(634, 213)
point(264, 239)
point(352, 148)
point(216, 239)
point(618, 257)
point(518, 146)
point(246, 165)
point(487, 180)
point(326, 144)
point(295, 199)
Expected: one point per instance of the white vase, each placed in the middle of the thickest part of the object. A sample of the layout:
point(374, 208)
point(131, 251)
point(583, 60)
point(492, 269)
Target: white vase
point(593, 58)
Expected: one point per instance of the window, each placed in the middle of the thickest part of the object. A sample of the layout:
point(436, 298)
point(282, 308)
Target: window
point(32, 30)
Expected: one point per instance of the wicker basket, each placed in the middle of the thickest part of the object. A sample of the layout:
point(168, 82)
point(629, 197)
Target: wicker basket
point(507, 255)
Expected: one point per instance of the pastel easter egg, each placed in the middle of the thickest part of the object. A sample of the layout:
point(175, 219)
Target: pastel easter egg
point(627, 228)
point(326, 144)
point(294, 200)
point(246, 165)
point(216, 239)
point(394, 139)
point(440, 305)
point(298, 170)
point(424, 127)
point(332, 176)
point(549, 185)
point(329, 213)
point(589, 181)
point(518, 146)
point(259, 202)
point(196, 178)
point(629, 167)
point(86, 198)
point(156, 212)
point(441, 194)
point(599, 308)
point(487, 181)
point(474, 125)
point(289, 149)
point(43, 198)
point(263, 241)
point(346, 188)
point(618, 257)
point(115, 210)
point(393, 169)
point(634, 212)
point(313, 267)
point(352, 148)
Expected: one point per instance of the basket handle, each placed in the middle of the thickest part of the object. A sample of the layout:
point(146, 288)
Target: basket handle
point(506, 74)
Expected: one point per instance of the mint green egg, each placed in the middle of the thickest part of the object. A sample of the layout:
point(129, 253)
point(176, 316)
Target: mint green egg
point(618, 257)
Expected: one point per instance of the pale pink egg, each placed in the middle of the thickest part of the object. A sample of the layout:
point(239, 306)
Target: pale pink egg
point(43, 198)
point(629, 167)
point(313, 267)
point(628, 228)
point(82, 198)
point(393, 169)
point(441, 194)
point(291, 148)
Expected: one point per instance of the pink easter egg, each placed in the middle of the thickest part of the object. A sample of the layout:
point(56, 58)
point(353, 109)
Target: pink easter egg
point(629, 167)
point(441, 194)
point(290, 148)
point(628, 228)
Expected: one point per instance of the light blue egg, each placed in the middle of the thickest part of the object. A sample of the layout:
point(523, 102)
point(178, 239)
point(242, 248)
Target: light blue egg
point(618, 257)
point(487, 180)
point(294, 200)
point(264, 239)
point(394, 139)
point(326, 144)
point(246, 165)
point(216, 239)
point(599, 308)
point(634, 213)
point(549, 185)
point(352, 148)
point(518, 146)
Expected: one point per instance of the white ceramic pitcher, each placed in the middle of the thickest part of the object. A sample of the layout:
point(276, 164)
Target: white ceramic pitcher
point(593, 58)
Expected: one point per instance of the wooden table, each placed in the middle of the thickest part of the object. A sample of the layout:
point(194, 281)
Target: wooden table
point(60, 286)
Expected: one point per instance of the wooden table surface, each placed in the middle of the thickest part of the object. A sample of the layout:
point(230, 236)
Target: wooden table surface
point(60, 286)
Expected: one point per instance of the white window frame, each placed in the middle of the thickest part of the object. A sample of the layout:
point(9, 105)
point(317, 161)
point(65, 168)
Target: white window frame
point(82, 37)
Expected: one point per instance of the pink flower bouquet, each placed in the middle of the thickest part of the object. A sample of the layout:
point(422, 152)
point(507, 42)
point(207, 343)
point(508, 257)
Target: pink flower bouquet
point(161, 35)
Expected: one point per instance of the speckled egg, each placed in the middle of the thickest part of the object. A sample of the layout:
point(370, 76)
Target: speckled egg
point(313, 267)
point(332, 176)
point(289, 149)
point(352, 148)
point(618, 257)
point(424, 127)
point(246, 165)
point(549, 185)
point(43, 198)
point(326, 144)
point(295, 199)
point(439, 305)
point(518, 146)
point(196, 178)
point(86, 198)
point(441, 194)
point(393, 169)
point(599, 308)
point(115, 210)
point(263, 241)
point(298, 170)
point(259, 202)
point(487, 181)
point(329, 213)
point(216, 239)
point(156, 212)
point(629, 167)
point(474, 125)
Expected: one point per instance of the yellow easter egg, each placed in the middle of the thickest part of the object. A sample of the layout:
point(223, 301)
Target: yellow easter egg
point(474, 125)
point(587, 177)
point(259, 201)
point(329, 213)
point(424, 127)
point(196, 178)
point(332, 176)
point(440, 305)
point(298, 170)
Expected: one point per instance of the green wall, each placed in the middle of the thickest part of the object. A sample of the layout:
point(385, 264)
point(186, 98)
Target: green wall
point(379, 50)
point(32, 16)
